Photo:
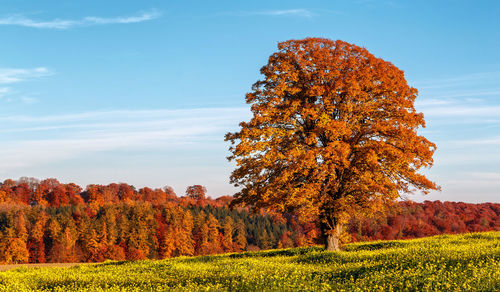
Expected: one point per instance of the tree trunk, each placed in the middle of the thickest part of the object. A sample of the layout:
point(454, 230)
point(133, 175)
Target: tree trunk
point(332, 238)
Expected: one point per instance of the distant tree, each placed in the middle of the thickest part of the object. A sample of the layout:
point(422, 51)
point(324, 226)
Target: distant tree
point(73, 192)
point(17, 250)
point(196, 192)
point(334, 131)
point(240, 238)
point(169, 191)
point(214, 236)
point(264, 240)
point(200, 231)
point(67, 241)
point(94, 196)
point(36, 243)
point(166, 241)
point(227, 239)
point(184, 234)
point(142, 223)
point(55, 250)
point(32, 182)
point(285, 241)
point(22, 193)
point(203, 243)
point(58, 196)
point(125, 192)
point(3, 196)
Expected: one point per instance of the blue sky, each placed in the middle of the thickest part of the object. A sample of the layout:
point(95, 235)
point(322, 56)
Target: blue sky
point(143, 91)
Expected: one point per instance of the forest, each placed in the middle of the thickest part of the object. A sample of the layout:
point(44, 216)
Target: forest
point(48, 221)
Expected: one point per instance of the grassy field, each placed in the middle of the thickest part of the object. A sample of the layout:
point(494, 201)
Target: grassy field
point(465, 262)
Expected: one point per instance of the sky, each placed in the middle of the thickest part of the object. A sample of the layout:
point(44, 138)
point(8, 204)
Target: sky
point(143, 92)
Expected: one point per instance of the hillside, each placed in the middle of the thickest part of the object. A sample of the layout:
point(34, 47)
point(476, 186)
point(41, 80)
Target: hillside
point(47, 221)
point(447, 262)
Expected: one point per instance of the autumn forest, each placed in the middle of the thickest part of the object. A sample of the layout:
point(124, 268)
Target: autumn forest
point(48, 221)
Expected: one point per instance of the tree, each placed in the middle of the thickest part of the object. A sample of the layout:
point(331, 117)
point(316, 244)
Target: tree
point(285, 240)
point(227, 239)
point(184, 234)
point(196, 192)
point(240, 238)
point(166, 242)
point(17, 250)
point(334, 131)
point(35, 240)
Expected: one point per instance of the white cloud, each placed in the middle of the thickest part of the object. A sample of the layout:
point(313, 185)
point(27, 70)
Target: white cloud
point(13, 75)
point(127, 19)
point(483, 141)
point(21, 20)
point(432, 102)
point(28, 100)
point(280, 12)
point(125, 114)
point(467, 93)
point(73, 135)
point(495, 176)
point(462, 94)
point(463, 110)
point(4, 91)
point(452, 106)
point(456, 81)
point(287, 12)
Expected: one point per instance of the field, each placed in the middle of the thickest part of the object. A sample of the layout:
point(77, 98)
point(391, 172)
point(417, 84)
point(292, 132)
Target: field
point(464, 262)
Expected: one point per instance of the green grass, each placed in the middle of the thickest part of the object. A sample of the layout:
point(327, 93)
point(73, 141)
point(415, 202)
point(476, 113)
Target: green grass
point(466, 262)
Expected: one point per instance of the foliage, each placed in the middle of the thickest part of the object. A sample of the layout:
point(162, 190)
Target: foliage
point(413, 220)
point(334, 130)
point(118, 222)
point(197, 192)
point(467, 262)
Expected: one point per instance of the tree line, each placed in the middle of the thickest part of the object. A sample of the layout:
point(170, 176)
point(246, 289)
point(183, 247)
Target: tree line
point(48, 221)
point(413, 220)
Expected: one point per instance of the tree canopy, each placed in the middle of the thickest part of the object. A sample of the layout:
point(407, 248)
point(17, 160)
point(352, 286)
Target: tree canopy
point(334, 129)
point(197, 192)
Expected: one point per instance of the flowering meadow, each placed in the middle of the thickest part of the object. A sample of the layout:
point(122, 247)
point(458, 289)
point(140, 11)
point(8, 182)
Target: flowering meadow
point(465, 262)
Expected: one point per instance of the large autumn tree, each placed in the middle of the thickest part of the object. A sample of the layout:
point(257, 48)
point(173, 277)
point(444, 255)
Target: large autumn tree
point(334, 131)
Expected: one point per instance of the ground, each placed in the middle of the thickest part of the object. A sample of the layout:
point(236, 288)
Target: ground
point(441, 263)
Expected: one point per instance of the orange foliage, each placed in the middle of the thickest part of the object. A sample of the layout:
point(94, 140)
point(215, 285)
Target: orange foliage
point(334, 131)
point(129, 227)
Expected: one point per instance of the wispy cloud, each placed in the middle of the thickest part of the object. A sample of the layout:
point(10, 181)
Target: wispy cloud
point(461, 98)
point(304, 13)
point(453, 108)
point(462, 110)
point(457, 81)
point(432, 102)
point(73, 135)
point(28, 100)
point(4, 91)
point(130, 115)
point(21, 20)
point(495, 176)
point(469, 93)
point(486, 141)
point(286, 12)
point(13, 75)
